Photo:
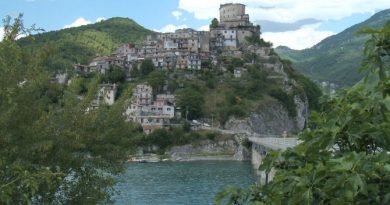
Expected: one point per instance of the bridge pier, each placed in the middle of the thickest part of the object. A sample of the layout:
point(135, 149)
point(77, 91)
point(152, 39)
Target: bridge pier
point(259, 152)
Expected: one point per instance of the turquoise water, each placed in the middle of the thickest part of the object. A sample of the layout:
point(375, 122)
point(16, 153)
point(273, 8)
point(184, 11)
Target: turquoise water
point(180, 183)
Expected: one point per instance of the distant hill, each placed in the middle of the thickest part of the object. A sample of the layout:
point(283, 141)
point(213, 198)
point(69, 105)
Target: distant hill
point(81, 44)
point(337, 58)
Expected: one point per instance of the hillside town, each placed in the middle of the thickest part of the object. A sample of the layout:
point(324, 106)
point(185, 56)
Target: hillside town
point(184, 49)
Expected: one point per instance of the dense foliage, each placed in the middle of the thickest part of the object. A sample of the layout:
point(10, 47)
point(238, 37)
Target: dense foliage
point(344, 155)
point(335, 59)
point(115, 74)
point(190, 100)
point(51, 150)
point(147, 66)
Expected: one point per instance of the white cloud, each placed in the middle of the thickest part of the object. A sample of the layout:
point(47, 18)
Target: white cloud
point(21, 36)
point(82, 21)
point(177, 14)
point(305, 37)
point(78, 22)
point(202, 9)
point(1, 33)
point(170, 28)
point(287, 10)
point(204, 28)
point(100, 19)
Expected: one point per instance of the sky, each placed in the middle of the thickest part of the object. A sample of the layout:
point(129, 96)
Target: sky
point(297, 24)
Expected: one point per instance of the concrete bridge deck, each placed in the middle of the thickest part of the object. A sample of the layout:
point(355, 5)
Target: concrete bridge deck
point(275, 143)
point(272, 142)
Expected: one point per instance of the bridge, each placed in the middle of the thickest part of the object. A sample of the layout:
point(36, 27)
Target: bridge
point(261, 145)
point(268, 142)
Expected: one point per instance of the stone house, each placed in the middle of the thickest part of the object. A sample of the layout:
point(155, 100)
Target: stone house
point(143, 94)
point(181, 61)
point(151, 114)
point(105, 96)
point(102, 64)
point(194, 61)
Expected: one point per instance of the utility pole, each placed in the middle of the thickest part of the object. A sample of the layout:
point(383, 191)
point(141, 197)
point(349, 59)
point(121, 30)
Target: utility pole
point(186, 113)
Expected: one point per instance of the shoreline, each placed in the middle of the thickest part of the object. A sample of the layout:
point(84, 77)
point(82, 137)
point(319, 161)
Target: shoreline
point(160, 158)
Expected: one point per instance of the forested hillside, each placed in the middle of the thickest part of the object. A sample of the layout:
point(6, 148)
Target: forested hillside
point(82, 44)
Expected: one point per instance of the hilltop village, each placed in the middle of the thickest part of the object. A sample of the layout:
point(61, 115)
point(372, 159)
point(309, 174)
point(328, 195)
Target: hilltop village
point(184, 49)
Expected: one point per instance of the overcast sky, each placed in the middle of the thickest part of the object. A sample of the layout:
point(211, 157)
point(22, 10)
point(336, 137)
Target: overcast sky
point(298, 24)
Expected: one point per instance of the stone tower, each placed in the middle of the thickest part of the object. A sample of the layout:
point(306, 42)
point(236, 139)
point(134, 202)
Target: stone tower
point(233, 15)
point(233, 29)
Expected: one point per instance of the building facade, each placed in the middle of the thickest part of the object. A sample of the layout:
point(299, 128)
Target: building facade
point(151, 113)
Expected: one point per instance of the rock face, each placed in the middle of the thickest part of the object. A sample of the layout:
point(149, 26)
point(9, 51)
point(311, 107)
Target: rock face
point(271, 119)
point(302, 108)
point(206, 150)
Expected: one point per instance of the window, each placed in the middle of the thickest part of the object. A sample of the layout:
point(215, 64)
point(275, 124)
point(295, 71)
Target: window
point(169, 109)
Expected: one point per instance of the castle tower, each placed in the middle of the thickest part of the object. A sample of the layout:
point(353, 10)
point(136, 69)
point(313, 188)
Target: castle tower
point(229, 12)
point(233, 15)
point(233, 29)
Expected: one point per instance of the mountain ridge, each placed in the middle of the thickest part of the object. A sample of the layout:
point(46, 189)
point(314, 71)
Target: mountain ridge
point(337, 58)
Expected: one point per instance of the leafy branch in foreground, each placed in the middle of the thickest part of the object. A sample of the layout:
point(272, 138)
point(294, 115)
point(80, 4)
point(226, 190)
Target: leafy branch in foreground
point(51, 150)
point(344, 157)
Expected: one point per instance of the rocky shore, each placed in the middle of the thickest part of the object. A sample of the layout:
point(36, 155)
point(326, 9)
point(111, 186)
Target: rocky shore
point(204, 150)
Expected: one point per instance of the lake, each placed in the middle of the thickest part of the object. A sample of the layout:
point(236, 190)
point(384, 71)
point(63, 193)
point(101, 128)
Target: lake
point(180, 183)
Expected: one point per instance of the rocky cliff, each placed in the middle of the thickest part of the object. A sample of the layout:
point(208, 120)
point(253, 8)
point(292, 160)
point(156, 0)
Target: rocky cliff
point(272, 117)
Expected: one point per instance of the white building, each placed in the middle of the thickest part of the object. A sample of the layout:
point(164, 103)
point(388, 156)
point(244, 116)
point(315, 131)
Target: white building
point(108, 93)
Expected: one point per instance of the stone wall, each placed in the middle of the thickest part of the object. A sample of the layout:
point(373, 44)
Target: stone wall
point(206, 150)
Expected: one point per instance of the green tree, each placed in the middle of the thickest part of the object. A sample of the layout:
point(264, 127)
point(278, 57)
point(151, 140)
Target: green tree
point(156, 79)
point(51, 150)
point(115, 74)
point(134, 72)
point(214, 23)
point(191, 101)
point(344, 155)
point(147, 67)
